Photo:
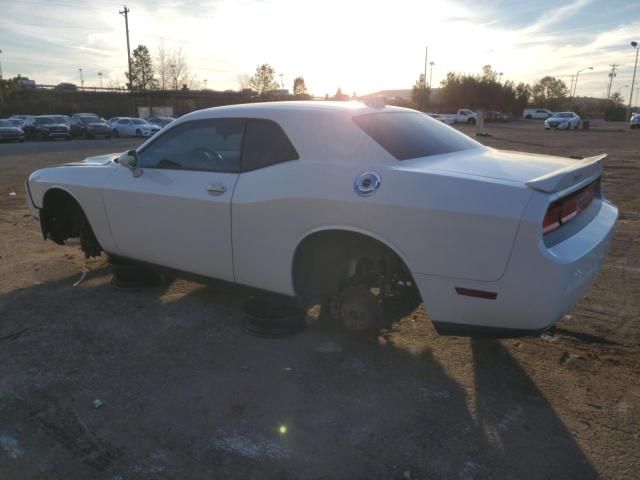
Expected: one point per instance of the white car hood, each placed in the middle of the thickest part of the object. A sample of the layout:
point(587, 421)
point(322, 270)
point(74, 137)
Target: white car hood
point(490, 163)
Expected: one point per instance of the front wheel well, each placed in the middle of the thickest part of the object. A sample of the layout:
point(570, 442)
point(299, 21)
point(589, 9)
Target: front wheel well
point(327, 262)
point(62, 217)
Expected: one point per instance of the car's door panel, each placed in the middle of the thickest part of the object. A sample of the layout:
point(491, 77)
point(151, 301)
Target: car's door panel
point(178, 212)
point(168, 217)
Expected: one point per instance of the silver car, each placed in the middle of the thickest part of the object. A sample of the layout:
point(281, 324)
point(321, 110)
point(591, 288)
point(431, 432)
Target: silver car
point(133, 127)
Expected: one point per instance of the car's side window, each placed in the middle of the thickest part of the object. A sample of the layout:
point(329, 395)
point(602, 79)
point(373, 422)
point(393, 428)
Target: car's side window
point(211, 145)
point(265, 143)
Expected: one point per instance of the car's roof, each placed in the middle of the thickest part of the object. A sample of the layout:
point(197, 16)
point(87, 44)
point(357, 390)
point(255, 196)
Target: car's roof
point(351, 108)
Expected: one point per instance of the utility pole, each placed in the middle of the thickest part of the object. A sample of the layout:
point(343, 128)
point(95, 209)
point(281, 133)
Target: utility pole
point(634, 44)
point(426, 51)
point(81, 78)
point(205, 83)
point(100, 76)
point(125, 12)
point(571, 88)
point(0, 68)
point(281, 81)
point(611, 75)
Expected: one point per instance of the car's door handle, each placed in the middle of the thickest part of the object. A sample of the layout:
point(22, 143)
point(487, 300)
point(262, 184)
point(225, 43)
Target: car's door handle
point(216, 189)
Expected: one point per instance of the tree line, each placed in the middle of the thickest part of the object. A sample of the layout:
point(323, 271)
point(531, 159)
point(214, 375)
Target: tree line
point(486, 91)
point(170, 71)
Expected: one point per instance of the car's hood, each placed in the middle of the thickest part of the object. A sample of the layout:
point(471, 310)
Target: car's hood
point(490, 163)
point(11, 129)
point(97, 161)
point(56, 125)
point(559, 119)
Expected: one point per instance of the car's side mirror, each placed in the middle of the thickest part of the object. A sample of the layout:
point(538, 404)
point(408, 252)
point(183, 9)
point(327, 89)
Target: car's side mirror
point(129, 159)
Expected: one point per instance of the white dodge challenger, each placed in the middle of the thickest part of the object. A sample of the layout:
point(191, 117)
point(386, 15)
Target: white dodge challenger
point(348, 204)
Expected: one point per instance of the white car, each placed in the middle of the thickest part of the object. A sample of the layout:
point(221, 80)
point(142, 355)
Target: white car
point(133, 127)
point(563, 121)
point(635, 121)
point(346, 204)
point(464, 115)
point(536, 113)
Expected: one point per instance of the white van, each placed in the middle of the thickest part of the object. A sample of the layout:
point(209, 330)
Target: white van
point(541, 113)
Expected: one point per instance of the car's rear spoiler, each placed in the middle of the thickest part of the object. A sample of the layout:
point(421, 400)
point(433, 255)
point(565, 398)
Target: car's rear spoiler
point(587, 168)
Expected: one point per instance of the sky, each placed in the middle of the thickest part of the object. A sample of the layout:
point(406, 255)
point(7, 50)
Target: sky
point(358, 46)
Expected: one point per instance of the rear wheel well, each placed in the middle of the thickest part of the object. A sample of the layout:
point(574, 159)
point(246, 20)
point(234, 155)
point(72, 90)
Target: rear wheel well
point(62, 217)
point(327, 262)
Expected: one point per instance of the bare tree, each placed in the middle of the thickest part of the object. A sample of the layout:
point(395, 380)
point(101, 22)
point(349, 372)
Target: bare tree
point(243, 81)
point(162, 67)
point(172, 69)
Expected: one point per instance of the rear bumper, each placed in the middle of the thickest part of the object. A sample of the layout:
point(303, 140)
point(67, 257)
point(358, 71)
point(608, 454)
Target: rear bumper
point(538, 288)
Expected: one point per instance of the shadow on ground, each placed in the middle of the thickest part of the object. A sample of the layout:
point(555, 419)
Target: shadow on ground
point(186, 393)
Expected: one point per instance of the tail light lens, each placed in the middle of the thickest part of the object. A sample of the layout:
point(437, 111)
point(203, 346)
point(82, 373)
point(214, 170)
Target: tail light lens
point(564, 210)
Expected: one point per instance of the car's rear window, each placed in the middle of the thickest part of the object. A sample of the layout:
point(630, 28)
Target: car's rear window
point(407, 135)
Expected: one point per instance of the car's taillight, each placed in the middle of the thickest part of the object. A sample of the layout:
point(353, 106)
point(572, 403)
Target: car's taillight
point(566, 209)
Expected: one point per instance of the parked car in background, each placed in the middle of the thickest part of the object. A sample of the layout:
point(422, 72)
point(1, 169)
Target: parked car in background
point(89, 125)
point(111, 122)
point(16, 122)
point(536, 113)
point(563, 121)
point(464, 115)
point(134, 127)
point(24, 82)
point(494, 116)
point(10, 132)
point(66, 87)
point(160, 121)
point(635, 121)
point(49, 128)
point(28, 126)
point(442, 118)
point(66, 119)
point(396, 205)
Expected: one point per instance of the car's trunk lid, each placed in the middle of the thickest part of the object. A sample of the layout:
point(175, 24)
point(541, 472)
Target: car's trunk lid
point(541, 172)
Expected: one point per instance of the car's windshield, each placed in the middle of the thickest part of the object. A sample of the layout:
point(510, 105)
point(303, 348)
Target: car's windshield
point(407, 135)
point(563, 115)
point(139, 121)
point(5, 123)
point(59, 119)
point(44, 120)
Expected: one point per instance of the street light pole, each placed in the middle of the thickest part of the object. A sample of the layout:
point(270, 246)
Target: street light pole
point(81, 78)
point(426, 51)
point(0, 68)
point(634, 45)
point(100, 76)
point(575, 85)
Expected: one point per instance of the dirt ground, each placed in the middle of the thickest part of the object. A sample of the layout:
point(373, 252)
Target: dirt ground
point(187, 393)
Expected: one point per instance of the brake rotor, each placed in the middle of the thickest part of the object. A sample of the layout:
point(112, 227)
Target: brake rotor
point(360, 309)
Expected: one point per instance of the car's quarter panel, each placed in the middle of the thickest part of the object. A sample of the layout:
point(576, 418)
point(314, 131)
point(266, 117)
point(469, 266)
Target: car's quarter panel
point(440, 222)
point(170, 218)
point(84, 181)
point(540, 286)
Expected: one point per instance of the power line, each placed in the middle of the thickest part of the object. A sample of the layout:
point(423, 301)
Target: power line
point(50, 26)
